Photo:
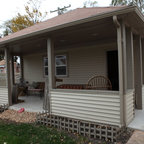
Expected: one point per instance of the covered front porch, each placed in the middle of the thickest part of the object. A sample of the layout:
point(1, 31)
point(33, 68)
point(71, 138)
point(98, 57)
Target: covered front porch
point(30, 104)
point(71, 56)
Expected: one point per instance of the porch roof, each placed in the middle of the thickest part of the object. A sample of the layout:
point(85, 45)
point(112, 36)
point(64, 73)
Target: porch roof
point(73, 17)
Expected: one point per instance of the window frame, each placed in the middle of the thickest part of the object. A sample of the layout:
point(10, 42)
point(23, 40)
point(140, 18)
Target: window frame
point(66, 65)
point(44, 57)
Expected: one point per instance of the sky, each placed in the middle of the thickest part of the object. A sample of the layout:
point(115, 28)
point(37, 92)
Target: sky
point(9, 8)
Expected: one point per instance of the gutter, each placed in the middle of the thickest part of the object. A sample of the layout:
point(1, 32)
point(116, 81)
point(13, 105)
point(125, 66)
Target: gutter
point(89, 19)
point(116, 22)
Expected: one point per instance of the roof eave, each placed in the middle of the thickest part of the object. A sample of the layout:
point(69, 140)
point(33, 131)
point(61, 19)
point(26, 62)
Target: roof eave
point(95, 17)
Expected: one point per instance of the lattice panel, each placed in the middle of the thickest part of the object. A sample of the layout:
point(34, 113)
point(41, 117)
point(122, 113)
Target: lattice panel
point(92, 130)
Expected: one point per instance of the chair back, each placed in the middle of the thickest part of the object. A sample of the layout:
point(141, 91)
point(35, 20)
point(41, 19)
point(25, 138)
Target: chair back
point(99, 83)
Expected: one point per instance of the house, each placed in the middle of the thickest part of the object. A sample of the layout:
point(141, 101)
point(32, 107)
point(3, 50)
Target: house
point(3, 67)
point(74, 47)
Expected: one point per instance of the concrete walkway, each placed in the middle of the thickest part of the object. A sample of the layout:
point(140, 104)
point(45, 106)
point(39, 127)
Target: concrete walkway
point(137, 138)
point(30, 104)
point(138, 122)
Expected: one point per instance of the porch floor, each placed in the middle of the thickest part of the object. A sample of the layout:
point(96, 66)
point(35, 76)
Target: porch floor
point(30, 104)
point(138, 122)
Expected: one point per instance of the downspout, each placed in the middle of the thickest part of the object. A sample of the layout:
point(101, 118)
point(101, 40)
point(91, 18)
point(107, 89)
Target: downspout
point(121, 72)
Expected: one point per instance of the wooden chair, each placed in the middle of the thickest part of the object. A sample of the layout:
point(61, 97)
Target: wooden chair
point(99, 83)
point(38, 90)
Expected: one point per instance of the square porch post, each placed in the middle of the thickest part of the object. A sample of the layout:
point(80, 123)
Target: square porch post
point(121, 44)
point(51, 64)
point(126, 65)
point(138, 71)
point(130, 59)
point(8, 77)
point(50, 81)
point(121, 74)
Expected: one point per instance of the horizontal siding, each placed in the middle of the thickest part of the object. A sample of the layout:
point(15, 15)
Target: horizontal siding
point(129, 101)
point(33, 68)
point(95, 107)
point(3, 95)
point(84, 63)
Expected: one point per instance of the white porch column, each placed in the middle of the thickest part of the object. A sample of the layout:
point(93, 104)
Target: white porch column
point(51, 63)
point(50, 82)
point(8, 77)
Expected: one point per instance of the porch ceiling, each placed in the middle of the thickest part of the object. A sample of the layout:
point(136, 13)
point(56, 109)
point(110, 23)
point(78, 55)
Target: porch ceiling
point(92, 33)
point(100, 31)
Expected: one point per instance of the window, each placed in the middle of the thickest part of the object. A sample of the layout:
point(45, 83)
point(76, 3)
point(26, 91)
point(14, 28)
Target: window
point(45, 66)
point(61, 65)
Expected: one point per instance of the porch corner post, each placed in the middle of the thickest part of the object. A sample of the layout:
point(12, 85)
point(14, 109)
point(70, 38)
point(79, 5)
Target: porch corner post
point(138, 71)
point(130, 59)
point(121, 69)
point(124, 46)
point(8, 77)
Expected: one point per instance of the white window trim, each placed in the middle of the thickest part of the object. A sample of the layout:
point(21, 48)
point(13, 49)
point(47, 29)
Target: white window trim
point(57, 66)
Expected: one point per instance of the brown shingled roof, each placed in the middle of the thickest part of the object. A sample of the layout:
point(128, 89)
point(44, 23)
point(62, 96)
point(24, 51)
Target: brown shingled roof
point(74, 15)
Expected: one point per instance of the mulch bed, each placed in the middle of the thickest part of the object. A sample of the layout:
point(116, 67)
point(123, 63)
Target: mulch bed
point(125, 136)
point(13, 115)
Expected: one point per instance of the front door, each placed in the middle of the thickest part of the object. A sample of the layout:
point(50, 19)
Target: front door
point(112, 65)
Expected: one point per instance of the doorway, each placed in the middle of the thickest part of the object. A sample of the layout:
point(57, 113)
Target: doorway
point(112, 66)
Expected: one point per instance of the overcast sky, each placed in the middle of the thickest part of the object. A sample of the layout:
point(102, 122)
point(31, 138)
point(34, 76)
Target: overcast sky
point(9, 8)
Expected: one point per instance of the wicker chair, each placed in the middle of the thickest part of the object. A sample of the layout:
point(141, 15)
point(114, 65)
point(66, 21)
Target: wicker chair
point(99, 83)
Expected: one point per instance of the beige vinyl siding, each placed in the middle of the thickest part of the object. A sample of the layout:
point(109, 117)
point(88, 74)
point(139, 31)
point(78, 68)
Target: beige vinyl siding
point(33, 68)
point(129, 101)
point(94, 106)
point(143, 96)
point(83, 63)
point(3, 95)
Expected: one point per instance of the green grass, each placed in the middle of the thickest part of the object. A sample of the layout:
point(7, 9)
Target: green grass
point(12, 133)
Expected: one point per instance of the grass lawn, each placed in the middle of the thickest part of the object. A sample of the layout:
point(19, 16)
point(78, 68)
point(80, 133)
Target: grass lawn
point(12, 133)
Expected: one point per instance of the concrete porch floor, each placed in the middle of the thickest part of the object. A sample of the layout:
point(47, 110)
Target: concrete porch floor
point(30, 104)
point(138, 122)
